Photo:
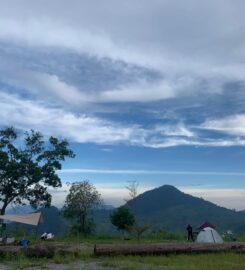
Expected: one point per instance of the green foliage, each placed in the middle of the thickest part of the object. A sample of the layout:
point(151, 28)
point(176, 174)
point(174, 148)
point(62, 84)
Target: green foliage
point(122, 218)
point(86, 260)
point(82, 199)
point(89, 228)
point(27, 171)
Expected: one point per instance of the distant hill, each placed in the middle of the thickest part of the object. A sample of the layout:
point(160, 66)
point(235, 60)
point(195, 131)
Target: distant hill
point(167, 207)
point(19, 210)
point(53, 222)
point(164, 208)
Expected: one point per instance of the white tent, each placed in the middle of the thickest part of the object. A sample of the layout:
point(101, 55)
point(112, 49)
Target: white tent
point(31, 219)
point(209, 235)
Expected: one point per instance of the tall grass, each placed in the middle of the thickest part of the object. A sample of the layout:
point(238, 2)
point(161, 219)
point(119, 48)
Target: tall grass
point(178, 262)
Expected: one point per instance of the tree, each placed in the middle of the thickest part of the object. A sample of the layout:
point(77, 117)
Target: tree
point(122, 218)
point(137, 229)
point(28, 166)
point(133, 190)
point(81, 200)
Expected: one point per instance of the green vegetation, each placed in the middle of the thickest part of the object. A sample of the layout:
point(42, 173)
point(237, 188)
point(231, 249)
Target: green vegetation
point(27, 171)
point(86, 260)
point(180, 262)
point(122, 218)
point(82, 199)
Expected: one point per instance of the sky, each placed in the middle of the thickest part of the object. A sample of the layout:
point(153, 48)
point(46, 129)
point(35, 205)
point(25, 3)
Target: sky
point(151, 91)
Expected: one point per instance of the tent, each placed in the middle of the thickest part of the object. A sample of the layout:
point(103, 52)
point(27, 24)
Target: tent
point(205, 225)
point(209, 235)
point(31, 219)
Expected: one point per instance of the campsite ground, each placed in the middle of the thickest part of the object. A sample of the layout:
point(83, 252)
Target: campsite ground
point(173, 262)
point(86, 260)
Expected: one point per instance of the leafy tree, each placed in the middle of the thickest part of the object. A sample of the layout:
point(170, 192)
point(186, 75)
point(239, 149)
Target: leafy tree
point(28, 166)
point(122, 218)
point(81, 200)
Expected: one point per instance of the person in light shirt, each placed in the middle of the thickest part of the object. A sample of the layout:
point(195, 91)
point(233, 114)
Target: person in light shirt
point(47, 236)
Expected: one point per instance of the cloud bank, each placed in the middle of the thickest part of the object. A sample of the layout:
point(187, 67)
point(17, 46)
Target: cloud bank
point(149, 73)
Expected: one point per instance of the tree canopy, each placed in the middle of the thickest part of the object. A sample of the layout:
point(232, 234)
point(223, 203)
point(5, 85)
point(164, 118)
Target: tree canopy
point(28, 166)
point(122, 218)
point(81, 200)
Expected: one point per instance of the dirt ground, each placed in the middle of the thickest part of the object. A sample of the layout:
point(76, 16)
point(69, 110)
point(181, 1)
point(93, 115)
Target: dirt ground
point(76, 265)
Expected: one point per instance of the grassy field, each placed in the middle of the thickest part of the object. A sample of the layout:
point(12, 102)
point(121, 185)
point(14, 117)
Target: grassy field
point(86, 260)
point(174, 262)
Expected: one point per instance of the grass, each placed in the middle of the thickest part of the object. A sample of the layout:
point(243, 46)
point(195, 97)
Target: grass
point(221, 261)
point(178, 262)
point(86, 260)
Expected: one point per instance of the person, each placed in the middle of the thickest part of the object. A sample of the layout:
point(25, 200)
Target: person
point(190, 233)
point(47, 236)
point(44, 236)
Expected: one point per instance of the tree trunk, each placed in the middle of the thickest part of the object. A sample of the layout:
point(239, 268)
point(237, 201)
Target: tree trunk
point(83, 223)
point(2, 212)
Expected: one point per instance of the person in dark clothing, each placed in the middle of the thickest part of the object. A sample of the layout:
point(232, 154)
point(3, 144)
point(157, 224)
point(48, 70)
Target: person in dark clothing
point(190, 233)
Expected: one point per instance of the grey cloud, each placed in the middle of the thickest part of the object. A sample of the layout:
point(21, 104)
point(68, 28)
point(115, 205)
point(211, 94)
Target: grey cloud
point(185, 56)
point(26, 114)
point(210, 31)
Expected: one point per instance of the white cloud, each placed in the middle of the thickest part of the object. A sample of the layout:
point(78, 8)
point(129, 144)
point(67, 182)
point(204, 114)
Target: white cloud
point(149, 91)
point(173, 36)
point(233, 125)
point(175, 130)
point(45, 32)
point(45, 86)
point(140, 92)
point(186, 50)
point(147, 172)
point(51, 84)
point(159, 142)
point(26, 114)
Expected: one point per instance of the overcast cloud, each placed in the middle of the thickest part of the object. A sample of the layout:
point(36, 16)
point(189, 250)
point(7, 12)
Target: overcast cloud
point(143, 52)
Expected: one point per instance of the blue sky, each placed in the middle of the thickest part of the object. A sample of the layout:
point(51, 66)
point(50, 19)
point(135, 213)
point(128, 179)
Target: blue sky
point(147, 91)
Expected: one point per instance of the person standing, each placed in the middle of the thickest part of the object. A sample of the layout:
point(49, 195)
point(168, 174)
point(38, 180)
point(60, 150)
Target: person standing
point(189, 233)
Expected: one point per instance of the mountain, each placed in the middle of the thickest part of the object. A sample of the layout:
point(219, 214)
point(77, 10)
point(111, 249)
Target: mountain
point(19, 210)
point(168, 208)
point(53, 221)
point(164, 208)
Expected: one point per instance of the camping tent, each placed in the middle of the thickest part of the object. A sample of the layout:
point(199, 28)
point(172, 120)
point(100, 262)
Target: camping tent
point(209, 235)
point(31, 219)
point(205, 225)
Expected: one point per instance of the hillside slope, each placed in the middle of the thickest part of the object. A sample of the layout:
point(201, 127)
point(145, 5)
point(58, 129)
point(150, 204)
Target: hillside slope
point(167, 207)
